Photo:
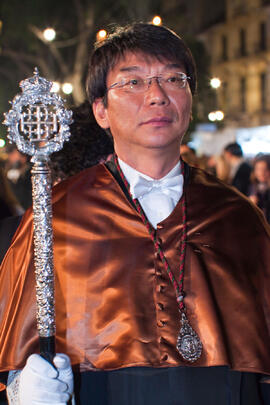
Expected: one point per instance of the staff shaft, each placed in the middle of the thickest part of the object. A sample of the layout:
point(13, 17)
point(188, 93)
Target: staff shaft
point(43, 256)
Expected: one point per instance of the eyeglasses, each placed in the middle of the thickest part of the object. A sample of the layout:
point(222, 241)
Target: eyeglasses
point(172, 81)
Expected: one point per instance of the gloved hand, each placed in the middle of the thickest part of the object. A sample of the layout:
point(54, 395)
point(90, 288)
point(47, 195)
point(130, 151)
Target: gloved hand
point(41, 384)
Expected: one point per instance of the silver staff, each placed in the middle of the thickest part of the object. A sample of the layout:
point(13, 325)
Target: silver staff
point(39, 125)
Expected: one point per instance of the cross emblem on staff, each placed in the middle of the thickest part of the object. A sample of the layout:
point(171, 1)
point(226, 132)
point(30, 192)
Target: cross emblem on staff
point(38, 123)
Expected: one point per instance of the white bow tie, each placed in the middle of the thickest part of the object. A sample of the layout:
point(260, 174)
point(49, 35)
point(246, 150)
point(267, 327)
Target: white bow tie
point(171, 186)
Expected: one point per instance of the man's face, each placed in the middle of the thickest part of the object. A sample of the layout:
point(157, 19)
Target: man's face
point(261, 172)
point(15, 157)
point(153, 119)
point(227, 156)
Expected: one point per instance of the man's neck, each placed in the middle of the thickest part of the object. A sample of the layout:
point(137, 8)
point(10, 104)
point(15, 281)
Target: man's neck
point(155, 165)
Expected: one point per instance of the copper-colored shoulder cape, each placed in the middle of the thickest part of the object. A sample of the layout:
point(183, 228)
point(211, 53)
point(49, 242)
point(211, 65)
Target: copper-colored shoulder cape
point(115, 306)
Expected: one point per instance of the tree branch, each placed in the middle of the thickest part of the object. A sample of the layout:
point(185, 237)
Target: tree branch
point(24, 60)
point(80, 14)
point(7, 73)
point(53, 49)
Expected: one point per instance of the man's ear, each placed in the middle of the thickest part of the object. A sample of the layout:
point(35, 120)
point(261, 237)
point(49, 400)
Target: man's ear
point(100, 113)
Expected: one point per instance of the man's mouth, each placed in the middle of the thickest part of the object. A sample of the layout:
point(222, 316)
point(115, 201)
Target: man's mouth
point(157, 121)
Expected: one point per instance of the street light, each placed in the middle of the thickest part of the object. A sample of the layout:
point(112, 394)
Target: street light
point(67, 88)
point(215, 82)
point(216, 116)
point(101, 35)
point(219, 115)
point(212, 116)
point(55, 87)
point(2, 143)
point(157, 20)
point(49, 34)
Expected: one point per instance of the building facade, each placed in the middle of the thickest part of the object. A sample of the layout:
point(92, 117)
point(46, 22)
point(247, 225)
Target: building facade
point(239, 48)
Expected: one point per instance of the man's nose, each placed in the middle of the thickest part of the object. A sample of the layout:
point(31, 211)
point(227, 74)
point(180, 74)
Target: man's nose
point(155, 94)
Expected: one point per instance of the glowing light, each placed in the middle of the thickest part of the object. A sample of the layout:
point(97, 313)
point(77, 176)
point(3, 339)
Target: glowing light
point(67, 88)
point(212, 116)
point(215, 82)
point(55, 87)
point(157, 20)
point(2, 143)
point(101, 35)
point(219, 115)
point(216, 116)
point(49, 34)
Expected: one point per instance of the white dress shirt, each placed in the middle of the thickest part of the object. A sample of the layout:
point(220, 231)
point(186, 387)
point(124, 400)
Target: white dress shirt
point(158, 198)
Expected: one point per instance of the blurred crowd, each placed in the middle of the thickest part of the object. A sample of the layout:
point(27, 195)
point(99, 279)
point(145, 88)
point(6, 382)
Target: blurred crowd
point(89, 144)
point(15, 182)
point(250, 176)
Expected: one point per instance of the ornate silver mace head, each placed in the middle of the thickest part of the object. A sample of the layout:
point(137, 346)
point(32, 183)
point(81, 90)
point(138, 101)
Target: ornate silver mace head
point(38, 122)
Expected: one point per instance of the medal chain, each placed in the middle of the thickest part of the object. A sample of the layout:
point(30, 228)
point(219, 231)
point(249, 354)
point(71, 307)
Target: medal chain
point(188, 342)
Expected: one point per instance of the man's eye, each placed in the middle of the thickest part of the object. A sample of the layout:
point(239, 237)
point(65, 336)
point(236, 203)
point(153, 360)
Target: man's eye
point(135, 82)
point(174, 79)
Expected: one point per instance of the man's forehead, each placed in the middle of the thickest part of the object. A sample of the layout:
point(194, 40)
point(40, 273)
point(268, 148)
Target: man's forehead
point(135, 61)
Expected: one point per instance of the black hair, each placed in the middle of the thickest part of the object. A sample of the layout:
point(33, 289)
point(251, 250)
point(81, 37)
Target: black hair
point(148, 39)
point(262, 158)
point(88, 145)
point(234, 149)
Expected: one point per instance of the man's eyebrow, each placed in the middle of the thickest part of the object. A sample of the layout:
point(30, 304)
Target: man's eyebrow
point(129, 69)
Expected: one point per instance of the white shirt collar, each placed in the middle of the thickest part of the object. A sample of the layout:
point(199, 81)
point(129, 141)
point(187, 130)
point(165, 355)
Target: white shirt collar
point(131, 174)
point(156, 206)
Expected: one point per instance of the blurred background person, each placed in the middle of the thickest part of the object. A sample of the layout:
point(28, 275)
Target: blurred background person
point(219, 166)
point(188, 154)
point(18, 172)
point(240, 170)
point(10, 211)
point(259, 191)
point(9, 205)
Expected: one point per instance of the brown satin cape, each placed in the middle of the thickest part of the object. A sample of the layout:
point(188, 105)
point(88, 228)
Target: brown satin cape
point(115, 306)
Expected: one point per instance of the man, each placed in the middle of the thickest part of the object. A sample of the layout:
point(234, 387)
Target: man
point(240, 170)
point(161, 271)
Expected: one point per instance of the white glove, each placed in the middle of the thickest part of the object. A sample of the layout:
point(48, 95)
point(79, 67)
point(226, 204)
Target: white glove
point(41, 384)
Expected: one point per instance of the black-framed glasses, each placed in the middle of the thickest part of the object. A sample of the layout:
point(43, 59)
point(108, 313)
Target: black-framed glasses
point(171, 81)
